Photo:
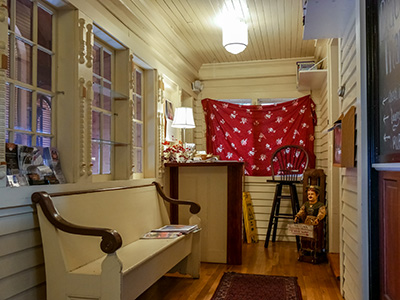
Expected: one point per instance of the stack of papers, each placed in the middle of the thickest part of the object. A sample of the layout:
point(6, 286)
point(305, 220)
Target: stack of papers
point(161, 235)
point(170, 231)
point(177, 228)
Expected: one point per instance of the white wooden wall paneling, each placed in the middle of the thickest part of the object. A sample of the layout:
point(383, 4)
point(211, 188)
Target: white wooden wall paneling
point(37, 292)
point(19, 241)
point(349, 212)
point(251, 80)
point(20, 261)
point(352, 270)
point(351, 279)
point(16, 223)
point(350, 233)
point(350, 80)
point(22, 282)
point(15, 210)
point(351, 227)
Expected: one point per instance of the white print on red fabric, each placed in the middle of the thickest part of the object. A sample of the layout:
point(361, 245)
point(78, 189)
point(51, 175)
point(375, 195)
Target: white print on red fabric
point(252, 133)
point(268, 115)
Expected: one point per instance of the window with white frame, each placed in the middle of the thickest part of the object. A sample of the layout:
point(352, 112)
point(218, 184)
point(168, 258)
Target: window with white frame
point(102, 109)
point(30, 73)
point(137, 138)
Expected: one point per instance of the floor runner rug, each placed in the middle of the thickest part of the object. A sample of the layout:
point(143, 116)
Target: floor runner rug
point(238, 286)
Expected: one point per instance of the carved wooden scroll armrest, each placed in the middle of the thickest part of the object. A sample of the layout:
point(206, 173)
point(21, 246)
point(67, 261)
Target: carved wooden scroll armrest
point(194, 207)
point(111, 239)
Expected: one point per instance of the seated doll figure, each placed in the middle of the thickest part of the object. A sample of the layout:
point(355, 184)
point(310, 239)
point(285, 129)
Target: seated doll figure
point(312, 211)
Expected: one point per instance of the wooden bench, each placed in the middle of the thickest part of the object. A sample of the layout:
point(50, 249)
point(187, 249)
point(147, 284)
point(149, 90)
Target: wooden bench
point(123, 266)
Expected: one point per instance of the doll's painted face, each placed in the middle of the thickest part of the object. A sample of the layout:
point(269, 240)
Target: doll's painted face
point(312, 196)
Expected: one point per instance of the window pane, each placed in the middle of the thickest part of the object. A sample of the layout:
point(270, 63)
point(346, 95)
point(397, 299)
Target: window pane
point(96, 59)
point(7, 105)
point(22, 139)
point(43, 114)
point(8, 60)
point(44, 29)
point(96, 92)
point(106, 159)
point(23, 110)
point(107, 65)
point(44, 70)
point(138, 139)
point(106, 127)
point(138, 85)
point(23, 61)
point(24, 18)
point(107, 96)
point(43, 141)
point(9, 7)
point(95, 125)
point(96, 158)
point(138, 165)
point(138, 108)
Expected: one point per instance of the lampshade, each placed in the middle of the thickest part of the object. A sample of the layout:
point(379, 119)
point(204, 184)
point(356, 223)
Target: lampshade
point(183, 118)
point(234, 36)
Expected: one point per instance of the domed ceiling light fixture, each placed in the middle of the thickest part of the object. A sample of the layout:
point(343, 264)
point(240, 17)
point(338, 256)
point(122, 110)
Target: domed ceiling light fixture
point(234, 35)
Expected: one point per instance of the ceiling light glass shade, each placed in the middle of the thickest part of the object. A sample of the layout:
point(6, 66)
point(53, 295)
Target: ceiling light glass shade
point(234, 36)
point(183, 118)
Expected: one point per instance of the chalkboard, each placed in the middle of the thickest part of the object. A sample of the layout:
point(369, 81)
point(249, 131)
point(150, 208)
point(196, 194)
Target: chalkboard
point(389, 80)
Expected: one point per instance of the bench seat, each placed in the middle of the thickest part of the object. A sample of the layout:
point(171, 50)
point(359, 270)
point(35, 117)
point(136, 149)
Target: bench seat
point(140, 252)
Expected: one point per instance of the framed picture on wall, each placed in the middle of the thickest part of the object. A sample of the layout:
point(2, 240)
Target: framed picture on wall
point(337, 142)
point(171, 134)
point(169, 110)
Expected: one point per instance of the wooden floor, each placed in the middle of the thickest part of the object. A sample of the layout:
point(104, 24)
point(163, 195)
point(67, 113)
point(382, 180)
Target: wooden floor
point(317, 282)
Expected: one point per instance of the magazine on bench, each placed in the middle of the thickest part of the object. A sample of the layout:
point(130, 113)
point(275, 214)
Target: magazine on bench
point(177, 228)
point(161, 235)
point(170, 231)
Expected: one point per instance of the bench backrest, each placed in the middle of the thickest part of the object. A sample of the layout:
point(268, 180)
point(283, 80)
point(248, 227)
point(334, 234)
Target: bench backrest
point(132, 212)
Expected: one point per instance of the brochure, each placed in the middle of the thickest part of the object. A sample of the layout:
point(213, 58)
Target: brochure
point(161, 235)
point(177, 228)
point(12, 159)
point(52, 159)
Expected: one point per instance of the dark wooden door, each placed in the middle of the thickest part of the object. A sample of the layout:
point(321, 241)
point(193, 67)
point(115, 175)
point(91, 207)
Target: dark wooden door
point(389, 183)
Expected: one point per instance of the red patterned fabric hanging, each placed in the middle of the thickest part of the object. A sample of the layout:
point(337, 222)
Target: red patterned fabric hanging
point(251, 133)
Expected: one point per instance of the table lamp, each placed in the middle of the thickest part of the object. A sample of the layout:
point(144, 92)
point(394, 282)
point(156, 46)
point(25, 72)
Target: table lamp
point(183, 118)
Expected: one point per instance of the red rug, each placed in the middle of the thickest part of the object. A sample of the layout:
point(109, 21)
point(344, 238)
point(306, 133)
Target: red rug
point(237, 286)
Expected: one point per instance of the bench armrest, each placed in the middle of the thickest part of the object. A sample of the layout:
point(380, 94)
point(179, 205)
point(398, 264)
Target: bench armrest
point(194, 207)
point(111, 239)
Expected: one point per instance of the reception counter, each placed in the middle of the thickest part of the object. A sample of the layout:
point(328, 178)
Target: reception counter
point(217, 187)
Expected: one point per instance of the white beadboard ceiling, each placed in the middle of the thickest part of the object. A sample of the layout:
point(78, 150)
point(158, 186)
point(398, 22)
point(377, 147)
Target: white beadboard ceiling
point(190, 29)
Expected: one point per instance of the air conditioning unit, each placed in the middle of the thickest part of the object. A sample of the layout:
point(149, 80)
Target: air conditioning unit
point(197, 86)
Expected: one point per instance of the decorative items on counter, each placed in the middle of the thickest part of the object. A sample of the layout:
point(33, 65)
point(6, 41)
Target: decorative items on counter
point(177, 152)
